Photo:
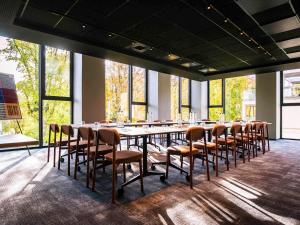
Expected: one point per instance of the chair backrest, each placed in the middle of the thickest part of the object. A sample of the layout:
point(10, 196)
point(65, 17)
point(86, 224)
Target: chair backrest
point(248, 128)
point(258, 127)
point(195, 133)
point(86, 133)
point(109, 136)
point(54, 128)
point(219, 130)
point(67, 130)
point(236, 128)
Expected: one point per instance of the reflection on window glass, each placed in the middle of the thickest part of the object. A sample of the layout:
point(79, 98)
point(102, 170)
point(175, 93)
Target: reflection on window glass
point(291, 86)
point(21, 59)
point(215, 113)
point(138, 112)
point(291, 122)
point(215, 92)
point(174, 97)
point(58, 112)
point(240, 98)
point(116, 90)
point(139, 84)
point(57, 72)
point(185, 113)
point(185, 91)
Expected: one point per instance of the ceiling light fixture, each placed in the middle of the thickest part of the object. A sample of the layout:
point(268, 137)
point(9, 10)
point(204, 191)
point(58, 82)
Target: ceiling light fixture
point(226, 20)
point(209, 7)
point(83, 26)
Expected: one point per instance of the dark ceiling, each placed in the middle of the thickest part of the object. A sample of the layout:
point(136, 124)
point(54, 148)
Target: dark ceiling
point(206, 37)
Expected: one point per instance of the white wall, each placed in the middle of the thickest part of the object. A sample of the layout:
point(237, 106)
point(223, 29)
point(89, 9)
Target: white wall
point(164, 96)
point(199, 98)
point(89, 89)
point(268, 101)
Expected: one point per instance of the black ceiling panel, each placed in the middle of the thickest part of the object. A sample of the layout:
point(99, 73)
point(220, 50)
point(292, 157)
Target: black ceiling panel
point(226, 36)
point(274, 14)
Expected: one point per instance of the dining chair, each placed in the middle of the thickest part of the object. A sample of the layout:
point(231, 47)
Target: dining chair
point(68, 144)
point(111, 138)
point(219, 134)
point(84, 142)
point(193, 134)
point(53, 128)
point(258, 136)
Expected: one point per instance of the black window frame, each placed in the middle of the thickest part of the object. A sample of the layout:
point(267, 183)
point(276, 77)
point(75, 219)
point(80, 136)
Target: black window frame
point(282, 104)
point(180, 105)
point(209, 106)
point(130, 92)
point(42, 89)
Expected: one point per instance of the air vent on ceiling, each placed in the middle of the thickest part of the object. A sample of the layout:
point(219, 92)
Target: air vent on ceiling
point(139, 47)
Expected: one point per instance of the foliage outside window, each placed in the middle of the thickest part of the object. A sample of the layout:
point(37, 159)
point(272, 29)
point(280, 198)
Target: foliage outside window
point(291, 86)
point(174, 96)
point(21, 59)
point(215, 92)
point(116, 90)
point(240, 98)
point(57, 84)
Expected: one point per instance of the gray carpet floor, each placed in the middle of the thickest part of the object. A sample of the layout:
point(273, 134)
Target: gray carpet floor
point(264, 191)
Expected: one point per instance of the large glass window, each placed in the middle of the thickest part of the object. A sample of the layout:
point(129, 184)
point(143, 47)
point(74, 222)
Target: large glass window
point(290, 80)
point(139, 94)
point(185, 98)
point(116, 90)
point(21, 59)
point(240, 98)
point(57, 100)
point(36, 68)
point(291, 86)
point(216, 99)
point(174, 96)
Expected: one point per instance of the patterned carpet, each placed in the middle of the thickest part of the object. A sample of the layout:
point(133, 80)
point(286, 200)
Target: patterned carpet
point(264, 191)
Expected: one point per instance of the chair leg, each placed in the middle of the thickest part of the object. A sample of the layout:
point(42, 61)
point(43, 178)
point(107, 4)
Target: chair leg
point(191, 172)
point(234, 150)
point(141, 176)
point(88, 171)
point(54, 155)
point(114, 181)
point(48, 157)
point(76, 164)
point(207, 168)
point(124, 173)
point(217, 164)
point(227, 160)
point(94, 173)
point(69, 162)
point(181, 163)
point(167, 166)
point(59, 155)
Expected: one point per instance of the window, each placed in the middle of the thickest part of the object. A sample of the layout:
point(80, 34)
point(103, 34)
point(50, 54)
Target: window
point(43, 78)
point(180, 97)
point(240, 98)
point(185, 98)
point(116, 90)
point(125, 92)
point(215, 99)
point(21, 59)
point(56, 99)
point(139, 94)
point(290, 104)
point(174, 97)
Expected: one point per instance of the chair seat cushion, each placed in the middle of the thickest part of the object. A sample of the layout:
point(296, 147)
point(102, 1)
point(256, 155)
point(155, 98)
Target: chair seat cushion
point(222, 141)
point(182, 150)
point(82, 143)
point(200, 145)
point(102, 149)
point(125, 156)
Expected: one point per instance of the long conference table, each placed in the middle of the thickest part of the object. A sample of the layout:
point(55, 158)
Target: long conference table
point(144, 130)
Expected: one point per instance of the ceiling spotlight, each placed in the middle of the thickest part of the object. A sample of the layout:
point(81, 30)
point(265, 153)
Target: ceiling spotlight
point(226, 20)
point(249, 40)
point(266, 53)
point(109, 35)
point(242, 33)
point(258, 47)
point(209, 7)
point(151, 49)
point(83, 26)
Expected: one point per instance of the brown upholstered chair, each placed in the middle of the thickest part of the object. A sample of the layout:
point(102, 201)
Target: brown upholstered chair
point(218, 144)
point(85, 146)
point(193, 134)
point(53, 128)
point(258, 136)
point(111, 138)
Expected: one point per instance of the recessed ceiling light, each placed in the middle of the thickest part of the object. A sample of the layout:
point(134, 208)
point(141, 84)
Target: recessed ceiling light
point(209, 7)
point(226, 20)
point(109, 35)
point(83, 26)
point(172, 57)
